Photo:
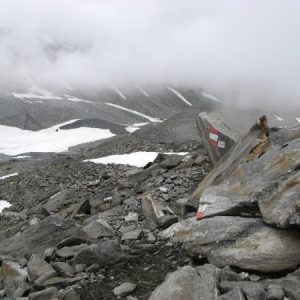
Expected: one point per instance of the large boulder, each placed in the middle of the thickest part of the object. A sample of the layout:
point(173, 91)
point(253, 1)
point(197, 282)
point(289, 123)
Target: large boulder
point(246, 243)
point(189, 283)
point(37, 266)
point(271, 182)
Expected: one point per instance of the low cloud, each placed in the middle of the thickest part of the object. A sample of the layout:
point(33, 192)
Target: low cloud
point(243, 51)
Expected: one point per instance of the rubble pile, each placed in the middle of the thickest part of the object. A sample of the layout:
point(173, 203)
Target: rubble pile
point(78, 230)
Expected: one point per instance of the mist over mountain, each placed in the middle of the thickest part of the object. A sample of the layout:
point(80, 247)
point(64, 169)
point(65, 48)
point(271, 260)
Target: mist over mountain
point(245, 52)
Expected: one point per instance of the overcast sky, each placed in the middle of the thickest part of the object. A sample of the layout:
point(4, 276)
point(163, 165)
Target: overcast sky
point(246, 50)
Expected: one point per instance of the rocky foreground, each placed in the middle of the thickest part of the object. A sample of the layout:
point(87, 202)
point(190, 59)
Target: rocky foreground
point(78, 230)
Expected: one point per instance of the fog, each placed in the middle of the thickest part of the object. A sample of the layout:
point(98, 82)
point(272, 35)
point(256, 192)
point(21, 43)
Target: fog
point(240, 50)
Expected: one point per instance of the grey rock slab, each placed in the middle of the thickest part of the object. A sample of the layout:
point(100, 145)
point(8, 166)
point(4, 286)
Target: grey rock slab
point(103, 253)
point(186, 284)
point(63, 269)
point(71, 295)
point(69, 252)
point(124, 289)
point(246, 243)
point(235, 294)
point(37, 266)
point(275, 292)
point(40, 280)
point(98, 229)
point(131, 235)
point(33, 239)
point(46, 294)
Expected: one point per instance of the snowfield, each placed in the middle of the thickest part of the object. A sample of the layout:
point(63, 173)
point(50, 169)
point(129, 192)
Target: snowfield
point(4, 204)
point(15, 141)
point(134, 159)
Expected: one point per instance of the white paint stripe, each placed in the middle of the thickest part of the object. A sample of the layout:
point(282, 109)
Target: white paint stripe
point(179, 95)
point(119, 92)
point(135, 112)
point(213, 137)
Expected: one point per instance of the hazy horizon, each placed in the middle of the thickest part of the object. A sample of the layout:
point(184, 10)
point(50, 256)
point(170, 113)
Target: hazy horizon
point(243, 51)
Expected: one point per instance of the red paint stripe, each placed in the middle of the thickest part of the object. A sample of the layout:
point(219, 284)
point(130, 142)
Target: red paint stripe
point(213, 130)
point(213, 143)
point(200, 214)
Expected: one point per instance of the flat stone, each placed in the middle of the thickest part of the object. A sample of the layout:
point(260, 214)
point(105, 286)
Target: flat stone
point(98, 229)
point(235, 294)
point(63, 269)
point(103, 253)
point(131, 235)
point(47, 294)
point(275, 292)
point(37, 267)
point(188, 283)
point(131, 217)
point(124, 289)
point(69, 252)
point(246, 243)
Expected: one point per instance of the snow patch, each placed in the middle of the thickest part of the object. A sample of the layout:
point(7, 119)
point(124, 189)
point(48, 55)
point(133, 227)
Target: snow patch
point(180, 96)
point(14, 141)
point(36, 92)
point(134, 127)
point(151, 119)
point(75, 99)
point(119, 92)
point(7, 176)
point(22, 156)
point(278, 118)
point(4, 204)
point(135, 159)
point(211, 97)
point(144, 92)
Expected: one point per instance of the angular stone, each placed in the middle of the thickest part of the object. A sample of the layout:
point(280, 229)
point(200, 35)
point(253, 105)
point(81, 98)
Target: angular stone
point(71, 295)
point(47, 294)
point(186, 284)
point(275, 292)
point(235, 294)
point(37, 267)
point(63, 269)
point(124, 289)
point(69, 252)
point(98, 229)
point(131, 235)
point(131, 217)
point(158, 214)
point(40, 280)
point(104, 253)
